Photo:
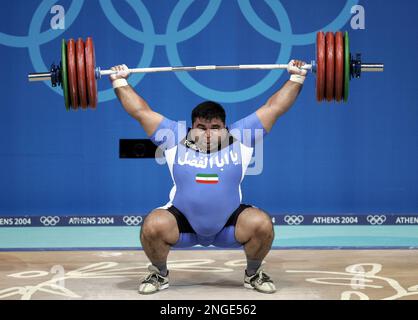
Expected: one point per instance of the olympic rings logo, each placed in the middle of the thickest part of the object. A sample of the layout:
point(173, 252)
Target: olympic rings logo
point(376, 219)
point(132, 220)
point(49, 221)
point(293, 220)
point(173, 36)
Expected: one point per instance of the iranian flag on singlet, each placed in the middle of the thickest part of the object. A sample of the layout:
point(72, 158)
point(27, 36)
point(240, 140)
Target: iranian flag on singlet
point(207, 178)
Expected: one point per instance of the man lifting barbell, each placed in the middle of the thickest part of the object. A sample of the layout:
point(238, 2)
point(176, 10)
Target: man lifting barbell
point(205, 203)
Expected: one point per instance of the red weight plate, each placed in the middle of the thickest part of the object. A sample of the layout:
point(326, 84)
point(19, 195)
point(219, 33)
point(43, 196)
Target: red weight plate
point(339, 66)
point(90, 72)
point(81, 74)
point(330, 66)
point(320, 66)
point(72, 73)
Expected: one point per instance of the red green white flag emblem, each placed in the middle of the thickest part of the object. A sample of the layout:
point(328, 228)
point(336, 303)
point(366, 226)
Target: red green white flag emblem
point(207, 178)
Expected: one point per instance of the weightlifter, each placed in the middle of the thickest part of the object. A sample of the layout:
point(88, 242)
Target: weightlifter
point(207, 163)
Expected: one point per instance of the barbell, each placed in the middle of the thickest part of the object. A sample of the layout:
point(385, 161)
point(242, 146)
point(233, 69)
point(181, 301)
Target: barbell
point(334, 67)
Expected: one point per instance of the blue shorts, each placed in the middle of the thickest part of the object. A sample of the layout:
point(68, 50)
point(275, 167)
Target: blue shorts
point(223, 239)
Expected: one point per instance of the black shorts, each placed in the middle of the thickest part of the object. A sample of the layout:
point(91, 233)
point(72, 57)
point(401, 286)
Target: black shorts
point(185, 227)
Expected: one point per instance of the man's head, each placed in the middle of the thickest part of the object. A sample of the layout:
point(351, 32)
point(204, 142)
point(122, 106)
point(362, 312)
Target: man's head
point(208, 110)
point(208, 125)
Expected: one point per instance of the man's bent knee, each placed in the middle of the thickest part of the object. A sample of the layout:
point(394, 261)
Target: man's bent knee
point(253, 222)
point(263, 227)
point(160, 223)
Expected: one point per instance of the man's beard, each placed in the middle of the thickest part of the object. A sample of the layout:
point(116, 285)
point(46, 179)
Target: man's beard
point(213, 145)
point(205, 146)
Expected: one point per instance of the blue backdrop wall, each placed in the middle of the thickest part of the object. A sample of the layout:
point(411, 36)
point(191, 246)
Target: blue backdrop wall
point(356, 157)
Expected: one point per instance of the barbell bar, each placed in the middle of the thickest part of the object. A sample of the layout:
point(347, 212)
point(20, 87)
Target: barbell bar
point(334, 67)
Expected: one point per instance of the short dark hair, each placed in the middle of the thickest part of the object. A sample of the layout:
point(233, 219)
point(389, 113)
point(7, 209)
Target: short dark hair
point(208, 110)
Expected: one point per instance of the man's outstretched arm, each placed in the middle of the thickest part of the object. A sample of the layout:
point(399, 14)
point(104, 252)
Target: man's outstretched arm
point(134, 104)
point(280, 102)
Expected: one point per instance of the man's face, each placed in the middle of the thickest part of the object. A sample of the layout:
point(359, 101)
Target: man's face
point(208, 134)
